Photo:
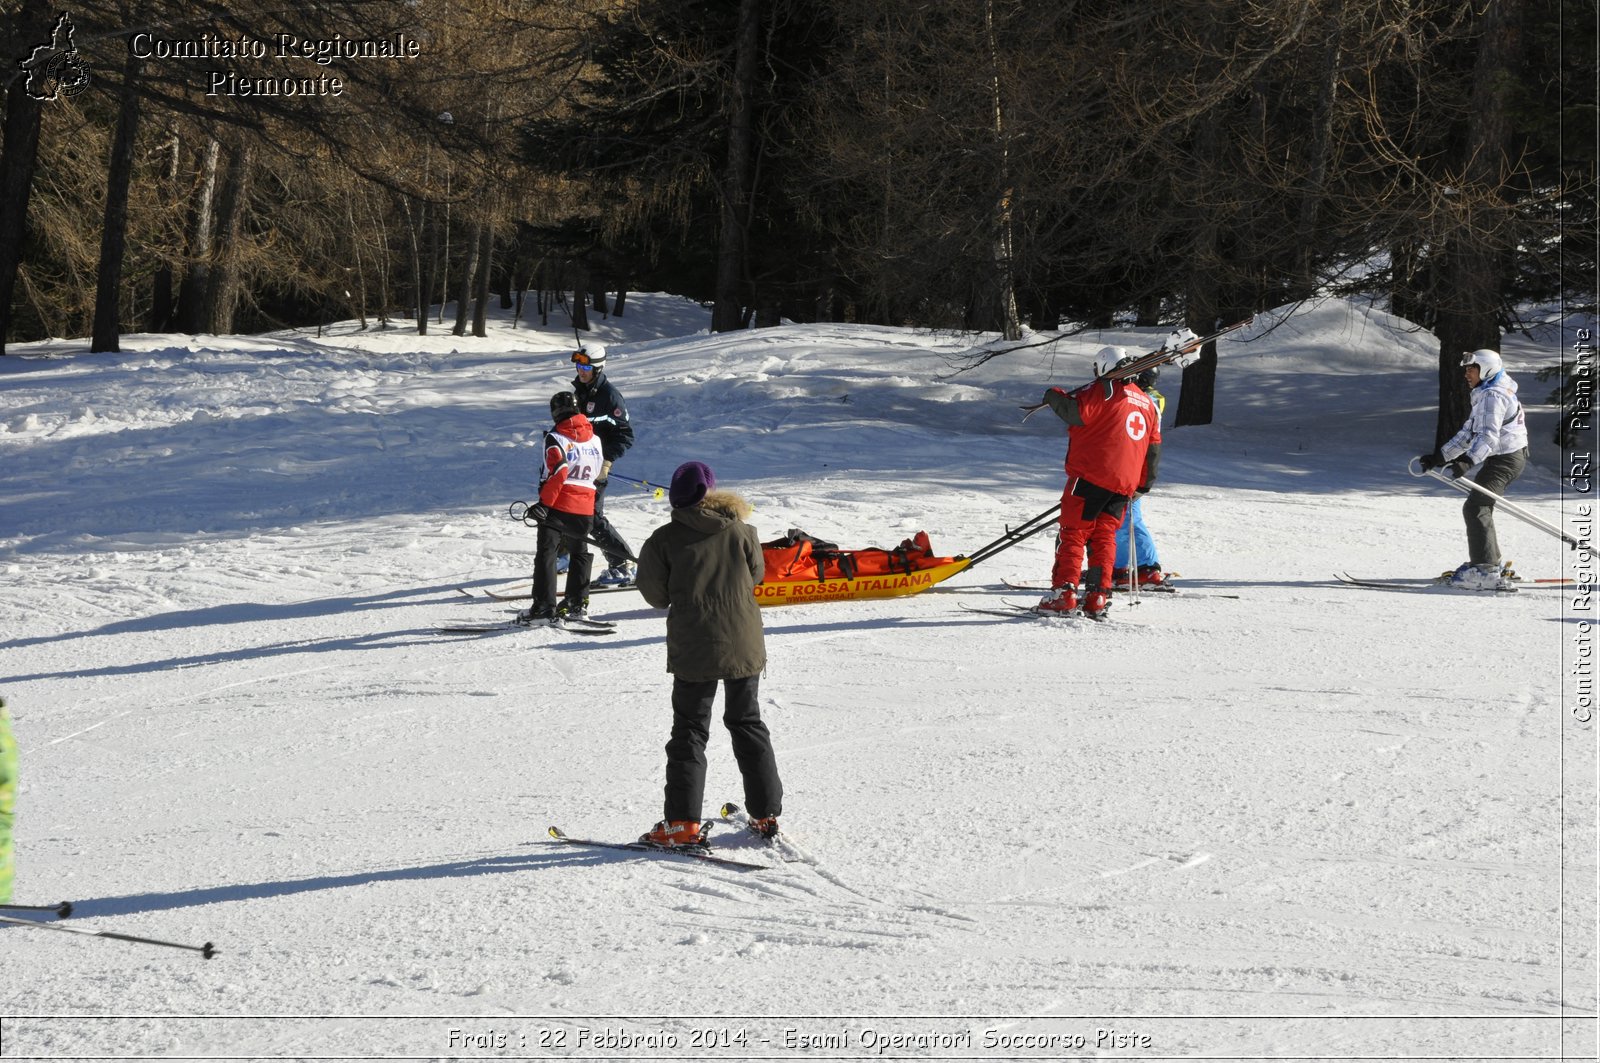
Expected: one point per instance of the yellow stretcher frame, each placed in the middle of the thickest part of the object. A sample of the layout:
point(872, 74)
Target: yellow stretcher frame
point(862, 588)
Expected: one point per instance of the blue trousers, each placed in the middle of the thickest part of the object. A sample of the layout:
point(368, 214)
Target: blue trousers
point(1141, 537)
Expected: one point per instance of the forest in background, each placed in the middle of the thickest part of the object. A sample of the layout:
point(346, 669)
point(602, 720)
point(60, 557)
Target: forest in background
point(964, 164)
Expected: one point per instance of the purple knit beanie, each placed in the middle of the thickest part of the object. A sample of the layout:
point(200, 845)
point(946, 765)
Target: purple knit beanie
point(690, 482)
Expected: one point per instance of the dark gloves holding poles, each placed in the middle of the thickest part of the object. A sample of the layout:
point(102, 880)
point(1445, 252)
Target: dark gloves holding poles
point(1458, 468)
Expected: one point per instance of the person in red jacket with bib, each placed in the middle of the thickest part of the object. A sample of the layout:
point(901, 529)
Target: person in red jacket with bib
point(572, 461)
point(1113, 448)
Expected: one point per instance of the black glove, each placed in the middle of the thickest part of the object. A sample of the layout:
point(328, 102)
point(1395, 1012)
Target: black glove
point(1458, 468)
point(1430, 461)
point(537, 513)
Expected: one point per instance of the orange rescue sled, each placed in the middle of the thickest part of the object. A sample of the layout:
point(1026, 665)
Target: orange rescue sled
point(803, 569)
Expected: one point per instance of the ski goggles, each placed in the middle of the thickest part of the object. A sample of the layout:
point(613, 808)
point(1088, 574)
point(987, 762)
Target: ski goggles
point(581, 360)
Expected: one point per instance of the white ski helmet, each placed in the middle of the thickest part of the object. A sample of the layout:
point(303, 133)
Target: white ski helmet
point(1487, 361)
point(1107, 358)
point(590, 354)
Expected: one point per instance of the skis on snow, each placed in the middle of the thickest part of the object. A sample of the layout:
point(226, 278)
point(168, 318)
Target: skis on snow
point(522, 596)
point(1443, 583)
point(1021, 611)
point(566, 624)
point(692, 852)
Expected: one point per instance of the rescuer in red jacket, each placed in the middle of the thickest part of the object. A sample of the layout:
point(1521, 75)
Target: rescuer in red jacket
point(1113, 447)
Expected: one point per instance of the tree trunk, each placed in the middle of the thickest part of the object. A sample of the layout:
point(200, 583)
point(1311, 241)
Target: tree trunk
point(1319, 145)
point(429, 225)
point(619, 302)
point(727, 312)
point(359, 303)
point(107, 328)
point(1004, 297)
point(202, 214)
point(163, 301)
point(1197, 401)
point(222, 293)
point(416, 220)
point(1476, 252)
point(19, 155)
point(468, 274)
point(480, 308)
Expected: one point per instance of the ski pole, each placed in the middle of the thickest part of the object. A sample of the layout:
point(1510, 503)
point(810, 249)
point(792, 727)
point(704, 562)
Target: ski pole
point(62, 910)
point(207, 950)
point(1133, 552)
point(643, 485)
point(526, 519)
point(1414, 467)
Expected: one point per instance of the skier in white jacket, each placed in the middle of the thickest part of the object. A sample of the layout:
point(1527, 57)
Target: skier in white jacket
point(1495, 435)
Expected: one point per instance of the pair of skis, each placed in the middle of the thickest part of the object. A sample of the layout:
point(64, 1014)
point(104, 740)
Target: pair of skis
point(1159, 356)
point(570, 625)
point(732, 813)
point(502, 596)
point(1019, 611)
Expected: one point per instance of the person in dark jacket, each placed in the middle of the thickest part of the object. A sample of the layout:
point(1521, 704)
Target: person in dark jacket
point(703, 568)
point(602, 403)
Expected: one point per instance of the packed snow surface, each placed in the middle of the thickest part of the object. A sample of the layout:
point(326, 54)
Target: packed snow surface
point(1271, 816)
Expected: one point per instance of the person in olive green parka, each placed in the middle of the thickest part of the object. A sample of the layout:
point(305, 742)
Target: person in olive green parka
point(703, 568)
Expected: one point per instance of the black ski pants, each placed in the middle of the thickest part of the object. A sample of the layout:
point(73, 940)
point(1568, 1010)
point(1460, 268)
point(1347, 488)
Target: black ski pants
point(1496, 474)
point(575, 527)
point(752, 747)
point(605, 534)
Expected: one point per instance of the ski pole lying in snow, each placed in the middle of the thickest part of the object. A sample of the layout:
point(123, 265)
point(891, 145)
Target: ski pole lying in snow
point(657, 491)
point(525, 515)
point(206, 950)
point(62, 910)
point(1414, 467)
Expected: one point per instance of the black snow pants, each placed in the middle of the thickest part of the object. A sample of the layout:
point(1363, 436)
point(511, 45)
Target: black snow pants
point(752, 747)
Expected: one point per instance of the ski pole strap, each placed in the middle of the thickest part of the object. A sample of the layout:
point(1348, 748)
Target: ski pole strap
point(522, 517)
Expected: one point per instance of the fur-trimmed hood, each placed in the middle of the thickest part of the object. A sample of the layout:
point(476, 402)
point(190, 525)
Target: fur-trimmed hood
point(727, 502)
